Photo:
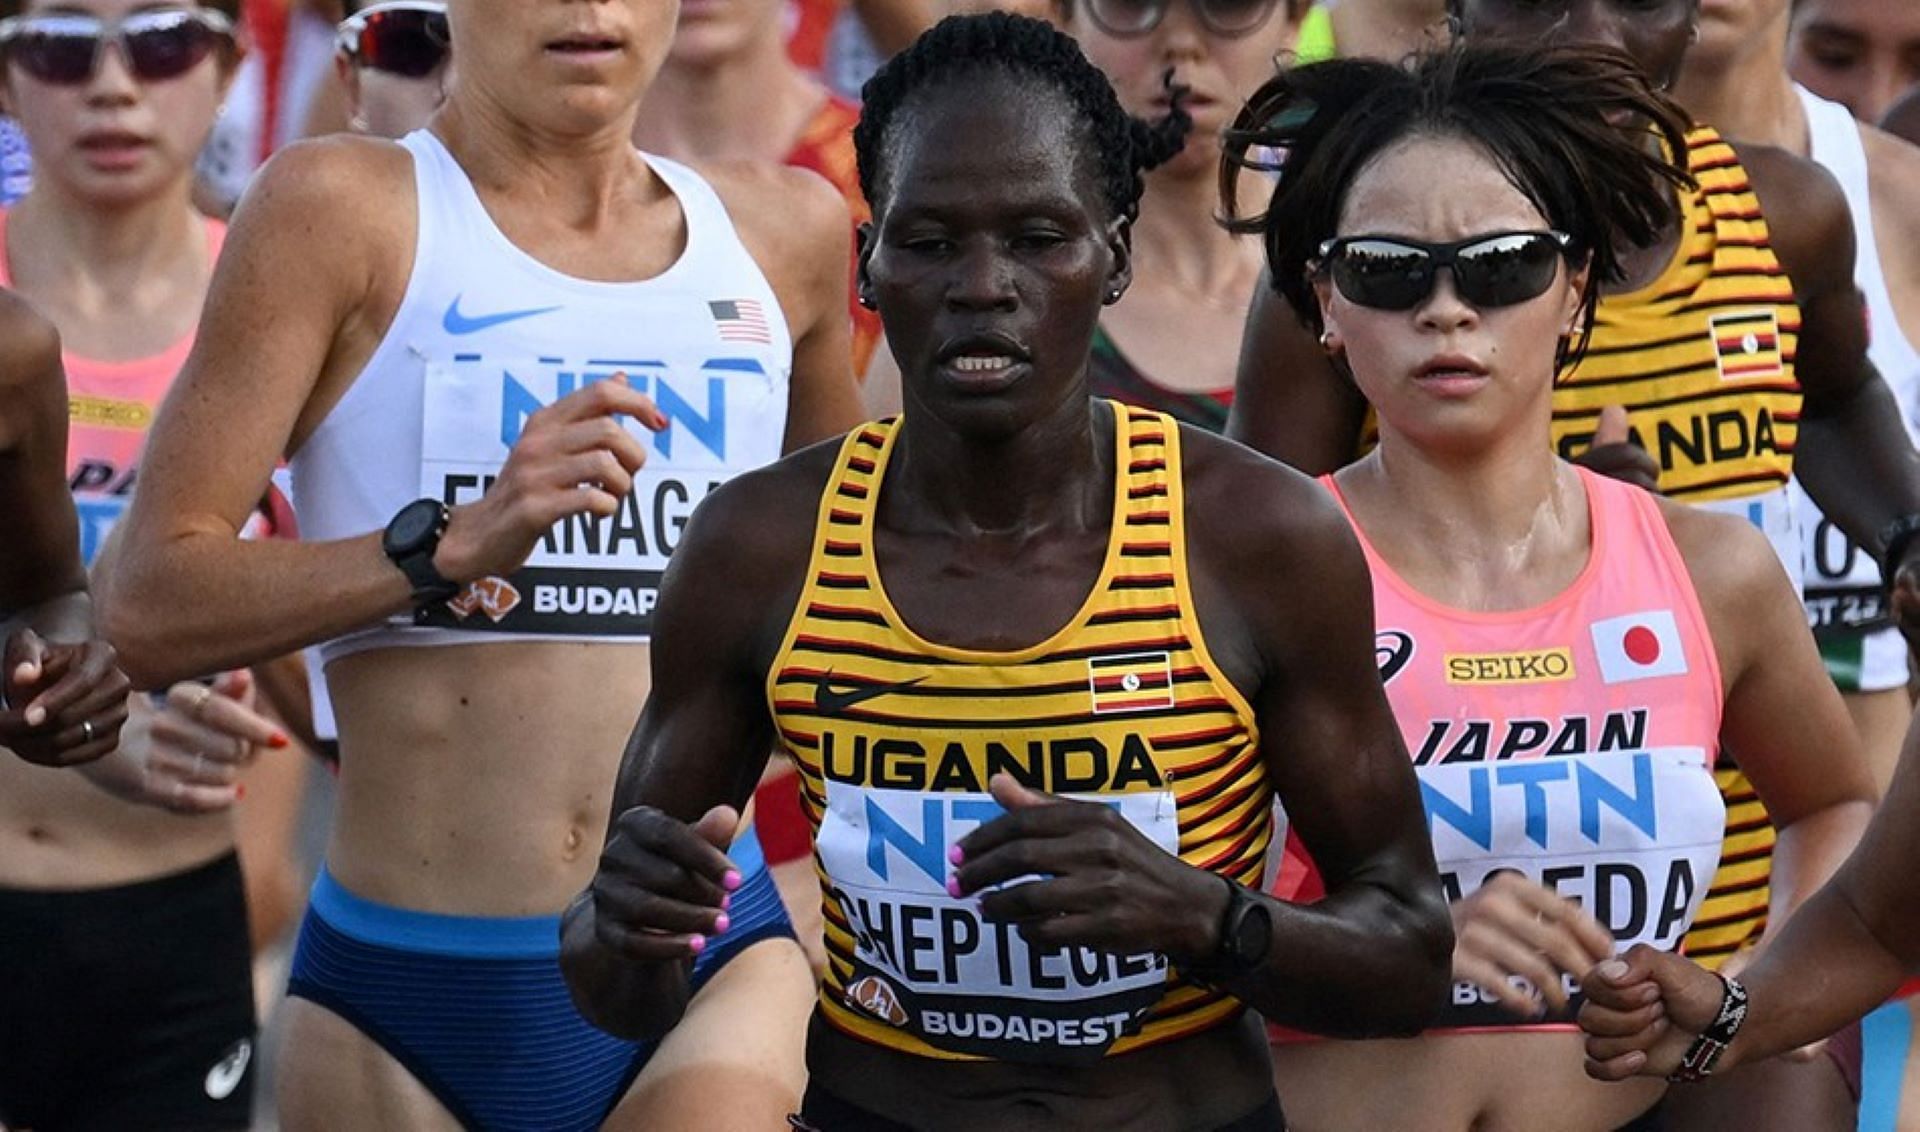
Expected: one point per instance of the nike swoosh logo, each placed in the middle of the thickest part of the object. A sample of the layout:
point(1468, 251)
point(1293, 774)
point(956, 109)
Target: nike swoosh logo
point(225, 1076)
point(830, 700)
point(457, 323)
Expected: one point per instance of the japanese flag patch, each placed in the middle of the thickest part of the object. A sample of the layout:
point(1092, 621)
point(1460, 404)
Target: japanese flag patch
point(1639, 646)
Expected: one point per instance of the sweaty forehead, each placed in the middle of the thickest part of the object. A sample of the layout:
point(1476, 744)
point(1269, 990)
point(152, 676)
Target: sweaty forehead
point(989, 139)
point(1434, 187)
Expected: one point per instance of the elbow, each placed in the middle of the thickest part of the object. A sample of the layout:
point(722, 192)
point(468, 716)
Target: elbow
point(1422, 977)
point(614, 995)
point(138, 640)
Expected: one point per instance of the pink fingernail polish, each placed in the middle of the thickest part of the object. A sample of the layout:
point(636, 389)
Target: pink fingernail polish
point(732, 879)
point(953, 887)
point(726, 902)
point(697, 944)
point(956, 855)
point(721, 923)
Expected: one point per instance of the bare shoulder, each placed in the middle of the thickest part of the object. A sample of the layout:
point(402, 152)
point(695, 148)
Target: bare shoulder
point(331, 198)
point(1262, 524)
point(758, 527)
point(789, 218)
point(1733, 566)
point(1807, 216)
point(336, 174)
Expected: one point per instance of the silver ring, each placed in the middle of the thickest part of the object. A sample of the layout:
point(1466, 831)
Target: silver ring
point(86, 731)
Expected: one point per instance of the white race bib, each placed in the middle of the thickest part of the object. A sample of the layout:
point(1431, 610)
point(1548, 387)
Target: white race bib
point(935, 967)
point(593, 576)
point(1633, 837)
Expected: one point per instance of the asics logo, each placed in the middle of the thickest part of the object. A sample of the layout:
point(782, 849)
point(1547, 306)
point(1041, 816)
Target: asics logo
point(457, 323)
point(829, 700)
point(1392, 649)
point(226, 1074)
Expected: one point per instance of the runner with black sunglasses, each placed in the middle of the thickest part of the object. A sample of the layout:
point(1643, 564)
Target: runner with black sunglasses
point(1565, 654)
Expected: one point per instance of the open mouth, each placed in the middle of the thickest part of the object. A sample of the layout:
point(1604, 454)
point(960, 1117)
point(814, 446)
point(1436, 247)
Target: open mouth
point(983, 363)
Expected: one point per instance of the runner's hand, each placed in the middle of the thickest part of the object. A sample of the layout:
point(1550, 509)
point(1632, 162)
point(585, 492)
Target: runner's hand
point(1643, 1010)
point(1614, 455)
point(1102, 884)
point(63, 704)
point(1905, 598)
point(573, 457)
point(186, 753)
point(1512, 926)
point(662, 888)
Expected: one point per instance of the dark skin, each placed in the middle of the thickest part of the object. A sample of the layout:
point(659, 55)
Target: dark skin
point(990, 531)
point(1852, 454)
point(65, 697)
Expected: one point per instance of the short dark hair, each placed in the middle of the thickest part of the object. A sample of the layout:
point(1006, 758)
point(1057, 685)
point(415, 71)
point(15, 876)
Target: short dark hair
point(1546, 116)
point(1027, 50)
point(227, 8)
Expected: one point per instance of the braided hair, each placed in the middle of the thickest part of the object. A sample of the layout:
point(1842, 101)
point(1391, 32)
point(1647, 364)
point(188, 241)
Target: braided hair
point(1027, 50)
point(1547, 117)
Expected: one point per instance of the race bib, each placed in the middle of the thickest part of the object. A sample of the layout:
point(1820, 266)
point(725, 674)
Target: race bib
point(935, 967)
point(1633, 837)
point(1773, 513)
point(1843, 593)
point(592, 576)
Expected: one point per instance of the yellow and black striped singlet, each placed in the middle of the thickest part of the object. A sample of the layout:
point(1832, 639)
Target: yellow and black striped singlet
point(1702, 358)
point(896, 736)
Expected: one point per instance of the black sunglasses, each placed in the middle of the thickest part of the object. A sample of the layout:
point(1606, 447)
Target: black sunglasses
point(406, 38)
point(1126, 19)
point(64, 48)
point(1396, 274)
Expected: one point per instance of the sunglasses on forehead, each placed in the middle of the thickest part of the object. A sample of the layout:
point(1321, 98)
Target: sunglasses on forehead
point(405, 37)
point(1128, 18)
point(1397, 274)
point(64, 48)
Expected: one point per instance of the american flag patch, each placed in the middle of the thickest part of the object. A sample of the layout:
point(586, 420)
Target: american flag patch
point(741, 320)
point(1746, 344)
point(1136, 682)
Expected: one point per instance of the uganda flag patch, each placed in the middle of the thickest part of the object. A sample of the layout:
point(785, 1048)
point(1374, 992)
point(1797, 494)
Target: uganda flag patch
point(1141, 681)
point(1746, 344)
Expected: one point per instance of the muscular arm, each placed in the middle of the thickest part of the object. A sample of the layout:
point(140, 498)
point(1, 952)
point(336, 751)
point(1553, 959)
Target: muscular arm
point(704, 733)
point(1288, 400)
point(1373, 958)
point(1852, 942)
point(1782, 719)
point(41, 573)
point(187, 596)
point(1853, 454)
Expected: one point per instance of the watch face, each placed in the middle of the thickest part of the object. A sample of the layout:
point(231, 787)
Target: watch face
point(1252, 934)
point(413, 525)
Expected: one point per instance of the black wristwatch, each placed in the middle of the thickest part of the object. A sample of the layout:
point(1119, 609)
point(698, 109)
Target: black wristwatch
point(1246, 935)
point(1895, 537)
point(410, 540)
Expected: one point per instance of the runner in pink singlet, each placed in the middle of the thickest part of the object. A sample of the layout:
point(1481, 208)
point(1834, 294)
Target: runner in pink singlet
point(1565, 655)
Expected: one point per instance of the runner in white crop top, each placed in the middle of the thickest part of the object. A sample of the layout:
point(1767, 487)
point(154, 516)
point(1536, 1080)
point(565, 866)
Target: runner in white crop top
point(489, 307)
